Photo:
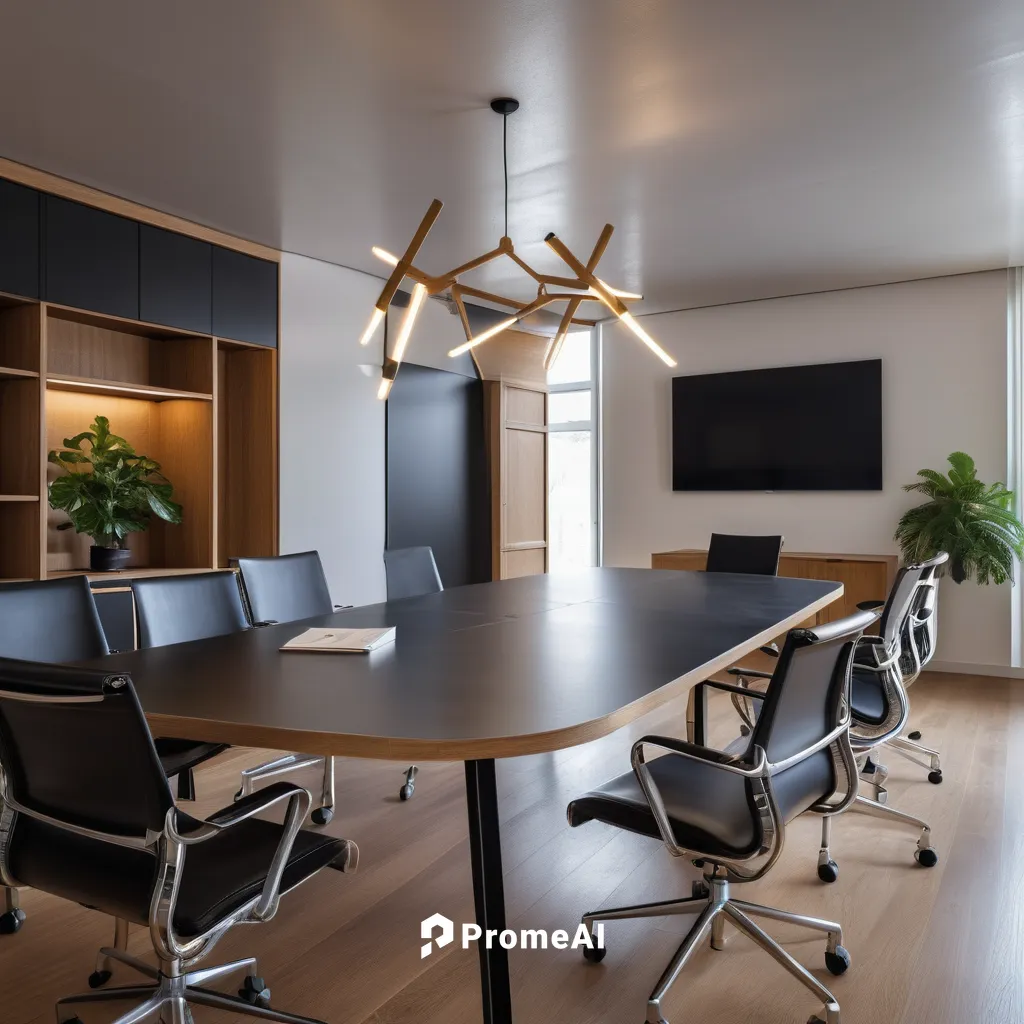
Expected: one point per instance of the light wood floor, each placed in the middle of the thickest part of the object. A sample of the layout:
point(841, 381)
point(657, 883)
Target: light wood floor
point(938, 946)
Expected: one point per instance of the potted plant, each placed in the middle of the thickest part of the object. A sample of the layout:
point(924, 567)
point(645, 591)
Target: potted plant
point(108, 492)
point(972, 521)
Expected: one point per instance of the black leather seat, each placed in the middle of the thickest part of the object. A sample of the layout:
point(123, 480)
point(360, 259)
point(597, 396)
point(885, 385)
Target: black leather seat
point(223, 873)
point(91, 819)
point(710, 810)
point(727, 810)
point(867, 698)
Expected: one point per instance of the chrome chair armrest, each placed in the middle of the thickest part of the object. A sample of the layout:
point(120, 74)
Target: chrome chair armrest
point(713, 758)
point(299, 802)
point(743, 691)
point(748, 673)
point(695, 752)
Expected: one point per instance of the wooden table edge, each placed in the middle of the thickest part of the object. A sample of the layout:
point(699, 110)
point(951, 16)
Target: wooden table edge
point(398, 748)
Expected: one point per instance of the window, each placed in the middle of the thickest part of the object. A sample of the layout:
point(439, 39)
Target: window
point(572, 455)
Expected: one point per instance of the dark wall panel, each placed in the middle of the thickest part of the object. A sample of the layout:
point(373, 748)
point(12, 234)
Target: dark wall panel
point(91, 258)
point(437, 482)
point(244, 297)
point(175, 280)
point(19, 240)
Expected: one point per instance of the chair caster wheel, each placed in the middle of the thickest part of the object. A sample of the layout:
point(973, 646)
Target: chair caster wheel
point(12, 921)
point(935, 777)
point(406, 792)
point(699, 890)
point(927, 857)
point(595, 955)
point(99, 978)
point(915, 735)
point(255, 992)
point(828, 872)
point(838, 962)
point(322, 815)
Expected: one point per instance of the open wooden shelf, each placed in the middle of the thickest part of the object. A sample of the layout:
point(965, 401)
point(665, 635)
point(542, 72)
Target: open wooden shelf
point(10, 373)
point(19, 497)
point(93, 386)
point(127, 574)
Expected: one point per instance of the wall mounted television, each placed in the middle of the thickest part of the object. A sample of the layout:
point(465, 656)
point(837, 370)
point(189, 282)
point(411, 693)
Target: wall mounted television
point(791, 428)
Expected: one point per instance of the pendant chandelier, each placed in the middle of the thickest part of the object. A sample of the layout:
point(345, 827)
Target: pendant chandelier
point(583, 286)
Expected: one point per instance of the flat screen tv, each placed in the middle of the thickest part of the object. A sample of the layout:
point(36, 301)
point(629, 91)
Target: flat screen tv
point(794, 428)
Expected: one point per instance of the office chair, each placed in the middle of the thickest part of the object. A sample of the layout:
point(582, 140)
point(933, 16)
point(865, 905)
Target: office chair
point(919, 640)
point(88, 816)
point(287, 588)
point(727, 811)
point(411, 572)
point(879, 709)
point(755, 556)
point(56, 621)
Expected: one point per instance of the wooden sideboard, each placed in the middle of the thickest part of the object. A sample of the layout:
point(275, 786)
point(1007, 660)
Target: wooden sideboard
point(864, 577)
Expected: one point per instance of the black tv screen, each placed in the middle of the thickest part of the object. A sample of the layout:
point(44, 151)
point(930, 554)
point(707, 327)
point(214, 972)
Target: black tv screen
point(794, 428)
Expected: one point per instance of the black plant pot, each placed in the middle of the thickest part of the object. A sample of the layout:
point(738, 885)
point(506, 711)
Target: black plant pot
point(108, 559)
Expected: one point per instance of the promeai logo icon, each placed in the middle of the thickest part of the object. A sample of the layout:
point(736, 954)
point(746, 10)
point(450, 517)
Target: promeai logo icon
point(444, 928)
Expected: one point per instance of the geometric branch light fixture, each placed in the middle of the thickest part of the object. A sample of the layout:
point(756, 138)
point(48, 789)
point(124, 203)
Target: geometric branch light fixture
point(582, 286)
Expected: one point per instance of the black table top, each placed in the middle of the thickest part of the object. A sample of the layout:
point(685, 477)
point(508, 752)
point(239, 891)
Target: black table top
point(490, 670)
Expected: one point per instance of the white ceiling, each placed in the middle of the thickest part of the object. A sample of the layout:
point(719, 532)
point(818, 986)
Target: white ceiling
point(741, 149)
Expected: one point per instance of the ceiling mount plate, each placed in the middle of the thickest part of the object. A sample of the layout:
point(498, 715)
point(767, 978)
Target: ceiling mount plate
point(504, 105)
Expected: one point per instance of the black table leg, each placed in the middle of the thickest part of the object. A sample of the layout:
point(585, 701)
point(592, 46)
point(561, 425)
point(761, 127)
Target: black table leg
point(488, 888)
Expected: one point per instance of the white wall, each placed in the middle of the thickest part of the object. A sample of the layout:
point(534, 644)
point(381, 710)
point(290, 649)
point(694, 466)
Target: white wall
point(332, 426)
point(943, 344)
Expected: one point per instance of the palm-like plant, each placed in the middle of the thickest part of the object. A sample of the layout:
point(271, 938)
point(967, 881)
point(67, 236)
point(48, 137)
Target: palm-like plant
point(109, 490)
point(971, 520)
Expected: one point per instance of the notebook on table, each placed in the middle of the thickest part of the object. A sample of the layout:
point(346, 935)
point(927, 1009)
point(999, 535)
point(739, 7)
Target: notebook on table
point(342, 641)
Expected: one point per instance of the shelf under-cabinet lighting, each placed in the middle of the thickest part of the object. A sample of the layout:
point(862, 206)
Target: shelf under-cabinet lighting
point(140, 389)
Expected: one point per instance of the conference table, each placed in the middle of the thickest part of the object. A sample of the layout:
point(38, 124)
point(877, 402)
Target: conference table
point(477, 673)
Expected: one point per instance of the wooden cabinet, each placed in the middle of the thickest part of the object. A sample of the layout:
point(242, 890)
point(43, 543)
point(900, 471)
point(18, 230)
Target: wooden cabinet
point(517, 416)
point(864, 577)
point(19, 239)
point(175, 280)
point(90, 258)
point(244, 297)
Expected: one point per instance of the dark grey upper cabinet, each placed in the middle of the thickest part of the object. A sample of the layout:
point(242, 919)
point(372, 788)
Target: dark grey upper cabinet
point(244, 297)
point(19, 240)
point(91, 258)
point(175, 280)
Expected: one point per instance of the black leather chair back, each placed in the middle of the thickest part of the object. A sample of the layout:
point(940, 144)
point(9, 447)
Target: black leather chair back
point(174, 609)
point(411, 572)
point(286, 588)
point(754, 556)
point(75, 747)
point(925, 608)
point(50, 620)
point(899, 604)
point(803, 702)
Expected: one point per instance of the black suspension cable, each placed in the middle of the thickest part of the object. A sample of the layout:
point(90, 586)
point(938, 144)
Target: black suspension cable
point(504, 155)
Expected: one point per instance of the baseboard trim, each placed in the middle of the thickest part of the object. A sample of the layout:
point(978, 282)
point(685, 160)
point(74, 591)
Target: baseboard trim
point(964, 669)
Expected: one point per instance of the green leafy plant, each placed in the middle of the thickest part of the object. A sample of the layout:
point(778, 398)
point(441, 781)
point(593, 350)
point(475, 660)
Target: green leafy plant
point(974, 522)
point(109, 490)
